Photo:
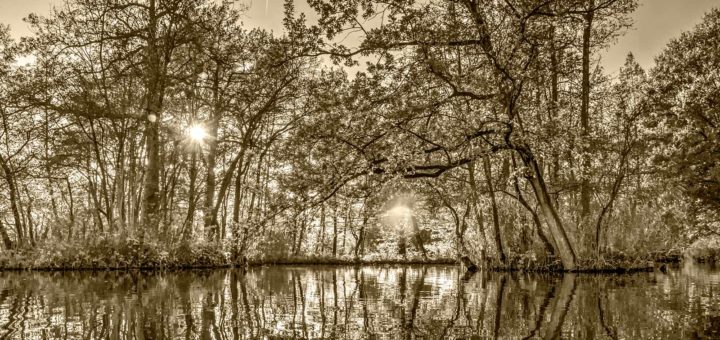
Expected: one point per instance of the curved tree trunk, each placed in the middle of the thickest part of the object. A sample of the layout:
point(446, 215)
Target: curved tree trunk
point(549, 242)
point(557, 230)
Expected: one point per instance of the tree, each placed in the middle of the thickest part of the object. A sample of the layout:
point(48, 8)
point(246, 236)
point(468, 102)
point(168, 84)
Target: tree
point(498, 41)
point(683, 98)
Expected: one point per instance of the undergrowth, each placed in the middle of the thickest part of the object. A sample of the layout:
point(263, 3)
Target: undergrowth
point(705, 250)
point(114, 253)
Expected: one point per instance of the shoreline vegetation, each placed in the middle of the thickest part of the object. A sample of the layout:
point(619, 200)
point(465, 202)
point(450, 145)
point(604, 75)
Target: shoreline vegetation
point(115, 255)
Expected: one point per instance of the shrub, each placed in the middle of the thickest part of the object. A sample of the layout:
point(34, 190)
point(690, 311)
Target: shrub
point(705, 250)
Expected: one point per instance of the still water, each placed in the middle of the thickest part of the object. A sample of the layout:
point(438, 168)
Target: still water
point(383, 302)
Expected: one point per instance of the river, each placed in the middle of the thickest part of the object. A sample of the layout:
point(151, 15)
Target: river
point(370, 302)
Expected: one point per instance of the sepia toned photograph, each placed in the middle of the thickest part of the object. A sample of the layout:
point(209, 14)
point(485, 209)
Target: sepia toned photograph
point(359, 169)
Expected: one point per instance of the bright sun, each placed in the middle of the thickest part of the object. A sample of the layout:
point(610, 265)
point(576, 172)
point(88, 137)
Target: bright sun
point(197, 133)
point(399, 214)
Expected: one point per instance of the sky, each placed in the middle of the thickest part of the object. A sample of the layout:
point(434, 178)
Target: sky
point(656, 23)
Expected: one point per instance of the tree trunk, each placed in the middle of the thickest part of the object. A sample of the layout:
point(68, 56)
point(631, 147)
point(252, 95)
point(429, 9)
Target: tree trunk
point(71, 208)
point(92, 194)
point(209, 213)
point(30, 221)
point(301, 235)
point(496, 222)
point(322, 230)
point(102, 171)
point(153, 108)
point(240, 179)
point(14, 199)
point(48, 173)
point(418, 239)
point(585, 114)
point(118, 186)
point(557, 230)
point(5, 238)
point(360, 244)
point(606, 208)
point(549, 242)
point(555, 56)
point(190, 217)
point(335, 231)
point(211, 220)
point(479, 220)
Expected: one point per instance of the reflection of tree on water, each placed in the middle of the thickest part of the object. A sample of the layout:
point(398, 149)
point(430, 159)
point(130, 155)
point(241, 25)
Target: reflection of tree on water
point(561, 306)
point(368, 302)
point(601, 314)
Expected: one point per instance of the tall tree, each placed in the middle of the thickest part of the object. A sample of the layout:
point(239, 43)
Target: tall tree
point(684, 94)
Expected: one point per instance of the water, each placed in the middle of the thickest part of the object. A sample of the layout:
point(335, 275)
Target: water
point(384, 302)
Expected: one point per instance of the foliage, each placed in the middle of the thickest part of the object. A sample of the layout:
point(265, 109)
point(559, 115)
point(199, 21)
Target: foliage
point(490, 123)
point(684, 95)
point(116, 253)
point(705, 250)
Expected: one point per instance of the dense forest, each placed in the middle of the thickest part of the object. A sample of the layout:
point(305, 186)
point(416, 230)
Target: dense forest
point(165, 133)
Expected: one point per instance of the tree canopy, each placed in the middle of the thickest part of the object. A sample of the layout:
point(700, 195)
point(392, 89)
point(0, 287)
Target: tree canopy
point(490, 126)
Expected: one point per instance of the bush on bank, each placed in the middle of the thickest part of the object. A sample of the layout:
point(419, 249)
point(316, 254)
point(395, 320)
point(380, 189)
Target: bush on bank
point(705, 250)
point(130, 253)
point(115, 253)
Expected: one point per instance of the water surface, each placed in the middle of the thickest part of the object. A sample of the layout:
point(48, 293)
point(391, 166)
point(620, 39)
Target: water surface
point(383, 302)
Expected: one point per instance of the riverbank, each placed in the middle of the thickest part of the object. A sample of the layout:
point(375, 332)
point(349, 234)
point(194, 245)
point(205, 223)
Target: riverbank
point(330, 261)
point(705, 250)
point(113, 254)
point(607, 263)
